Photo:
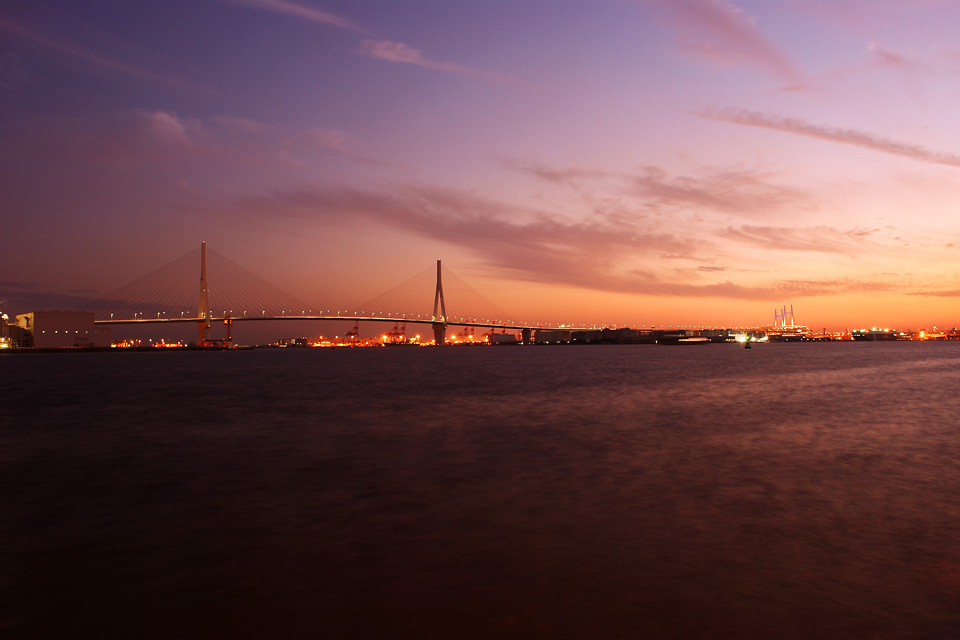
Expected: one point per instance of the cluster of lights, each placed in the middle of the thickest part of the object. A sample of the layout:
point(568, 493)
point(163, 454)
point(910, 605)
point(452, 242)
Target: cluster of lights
point(352, 340)
point(124, 344)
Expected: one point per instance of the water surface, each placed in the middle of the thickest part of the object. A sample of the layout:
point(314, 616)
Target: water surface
point(790, 491)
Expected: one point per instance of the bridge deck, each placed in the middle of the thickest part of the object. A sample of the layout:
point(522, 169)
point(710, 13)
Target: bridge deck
point(454, 323)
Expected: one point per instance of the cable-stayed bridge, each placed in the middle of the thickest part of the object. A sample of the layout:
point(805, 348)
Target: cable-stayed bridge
point(204, 287)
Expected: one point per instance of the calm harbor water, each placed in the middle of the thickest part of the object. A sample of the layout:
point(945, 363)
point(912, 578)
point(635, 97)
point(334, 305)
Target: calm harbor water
point(790, 491)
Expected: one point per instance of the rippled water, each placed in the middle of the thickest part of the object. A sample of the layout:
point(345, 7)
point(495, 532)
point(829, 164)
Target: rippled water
point(790, 491)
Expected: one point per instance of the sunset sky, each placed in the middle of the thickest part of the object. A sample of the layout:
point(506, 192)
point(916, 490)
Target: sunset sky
point(638, 162)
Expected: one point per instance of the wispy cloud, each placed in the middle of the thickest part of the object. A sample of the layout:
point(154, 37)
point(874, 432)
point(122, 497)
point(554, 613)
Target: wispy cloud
point(529, 244)
point(853, 137)
point(149, 138)
point(381, 49)
point(87, 56)
point(818, 239)
point(890, 59)
point(405, 54)
point(555, 175)
point(879, 59)
point(290, 145)
point(538, 246)
point(327, 141)
point(955, 293)
point(302, 11)
point(247, 126)
point(738, 190)
point(865, 17)
point(827, 287)
point(722, 33)
point(166, 126)
point(157, 150)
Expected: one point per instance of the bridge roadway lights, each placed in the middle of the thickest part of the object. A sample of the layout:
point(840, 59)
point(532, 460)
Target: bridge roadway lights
point(439, 333)
point(525, 336)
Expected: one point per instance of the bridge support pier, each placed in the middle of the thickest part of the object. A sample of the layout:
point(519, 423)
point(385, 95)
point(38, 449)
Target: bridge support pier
point(439, 333)
point(203, 332)
point(525, 336)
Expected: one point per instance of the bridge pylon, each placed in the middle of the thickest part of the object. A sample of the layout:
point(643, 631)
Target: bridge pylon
point(439, 313)
point(203, 310)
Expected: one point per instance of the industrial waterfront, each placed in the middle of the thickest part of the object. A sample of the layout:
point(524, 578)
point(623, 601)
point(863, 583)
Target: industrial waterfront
point(74, 330)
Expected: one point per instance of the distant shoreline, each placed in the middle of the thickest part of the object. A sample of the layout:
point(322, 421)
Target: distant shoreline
point(305, 348)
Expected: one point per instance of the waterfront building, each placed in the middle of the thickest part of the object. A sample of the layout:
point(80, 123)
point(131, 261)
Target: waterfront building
point(63, 329)
point(501, 338)
point(551, 336)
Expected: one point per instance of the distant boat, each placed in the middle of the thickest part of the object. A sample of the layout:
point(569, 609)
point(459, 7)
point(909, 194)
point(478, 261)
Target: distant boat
point(874, 335)
point(690, 340)
point(746, 345)
point(683, 340)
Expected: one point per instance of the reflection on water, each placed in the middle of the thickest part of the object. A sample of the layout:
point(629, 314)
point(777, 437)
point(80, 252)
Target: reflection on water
point(789, 491)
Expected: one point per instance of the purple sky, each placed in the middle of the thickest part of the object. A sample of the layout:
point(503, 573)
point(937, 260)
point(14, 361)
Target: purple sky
point(646, 162)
